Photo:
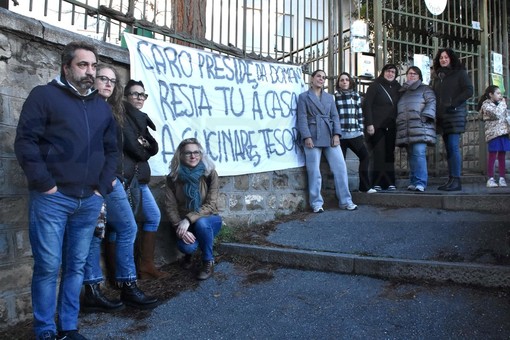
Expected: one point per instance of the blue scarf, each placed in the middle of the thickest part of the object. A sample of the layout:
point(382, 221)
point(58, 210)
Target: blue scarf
point(191, 179)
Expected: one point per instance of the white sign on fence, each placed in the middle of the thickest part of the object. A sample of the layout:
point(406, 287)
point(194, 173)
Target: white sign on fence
point(242, 111)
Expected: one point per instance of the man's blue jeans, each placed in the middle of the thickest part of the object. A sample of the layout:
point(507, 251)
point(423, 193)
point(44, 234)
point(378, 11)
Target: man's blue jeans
point(417, 156)
point(60, 229)
point(204, 229)
point(120, 219)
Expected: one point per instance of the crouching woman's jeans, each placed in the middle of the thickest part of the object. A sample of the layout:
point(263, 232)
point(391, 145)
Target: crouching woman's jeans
point(204, 229)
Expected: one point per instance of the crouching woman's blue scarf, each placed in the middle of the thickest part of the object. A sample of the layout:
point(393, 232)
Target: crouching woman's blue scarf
point(191, 179)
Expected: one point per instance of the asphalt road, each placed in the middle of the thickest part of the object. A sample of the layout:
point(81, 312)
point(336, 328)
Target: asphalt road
point(277, 303)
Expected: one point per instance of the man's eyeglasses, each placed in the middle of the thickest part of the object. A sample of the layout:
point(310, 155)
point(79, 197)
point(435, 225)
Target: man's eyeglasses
point(412, 74)
point(105, 80)
point(138, 95)
point(188, 154)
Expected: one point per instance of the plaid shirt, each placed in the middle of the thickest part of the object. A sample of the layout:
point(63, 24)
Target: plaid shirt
point(348, 104)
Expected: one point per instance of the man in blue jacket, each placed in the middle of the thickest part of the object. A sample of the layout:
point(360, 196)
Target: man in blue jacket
point(66, 144)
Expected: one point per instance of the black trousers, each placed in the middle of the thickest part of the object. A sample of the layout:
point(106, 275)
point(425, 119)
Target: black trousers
point(357, 145)
point(381, 146)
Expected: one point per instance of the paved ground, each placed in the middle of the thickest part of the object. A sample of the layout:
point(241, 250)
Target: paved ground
point(296, 304)
point(385, 243)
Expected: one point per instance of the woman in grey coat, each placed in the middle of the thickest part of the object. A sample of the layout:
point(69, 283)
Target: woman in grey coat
point(416, 126)
point(319, 127)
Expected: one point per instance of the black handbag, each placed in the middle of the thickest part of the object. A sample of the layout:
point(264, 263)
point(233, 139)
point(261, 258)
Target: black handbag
point(134, 192)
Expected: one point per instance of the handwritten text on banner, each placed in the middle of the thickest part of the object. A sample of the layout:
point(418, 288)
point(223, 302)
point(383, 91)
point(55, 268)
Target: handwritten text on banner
point(242, 111)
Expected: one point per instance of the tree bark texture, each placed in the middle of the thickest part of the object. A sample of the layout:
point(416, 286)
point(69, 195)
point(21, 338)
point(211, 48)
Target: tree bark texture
point(189, 17)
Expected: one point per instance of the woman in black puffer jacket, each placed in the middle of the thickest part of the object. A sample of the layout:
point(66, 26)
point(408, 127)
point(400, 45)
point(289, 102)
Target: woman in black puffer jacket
point(452, 87)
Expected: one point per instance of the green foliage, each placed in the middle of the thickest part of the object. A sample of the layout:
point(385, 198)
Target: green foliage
point(227, 234)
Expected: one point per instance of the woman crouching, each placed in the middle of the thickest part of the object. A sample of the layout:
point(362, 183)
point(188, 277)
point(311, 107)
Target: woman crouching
point(190, 203)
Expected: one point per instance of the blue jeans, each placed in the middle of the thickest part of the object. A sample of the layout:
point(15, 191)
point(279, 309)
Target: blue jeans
point(417, 157)
point(452, 145)
point(150, 211)
point(60, 229)
point(120, 219)
point(204, 229)
point(338, 167)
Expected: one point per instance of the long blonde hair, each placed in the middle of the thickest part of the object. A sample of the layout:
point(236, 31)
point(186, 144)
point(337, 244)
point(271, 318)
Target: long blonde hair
point(175, 164)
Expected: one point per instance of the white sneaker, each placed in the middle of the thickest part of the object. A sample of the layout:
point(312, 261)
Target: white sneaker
point(491, 183)
point(420, 188)
point(502, 182)
point(411, 187)
point(350, 207)
point(318, 210)
point(371, 191)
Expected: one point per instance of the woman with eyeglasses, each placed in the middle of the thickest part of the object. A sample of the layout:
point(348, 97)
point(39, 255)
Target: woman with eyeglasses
point(319, 128)
point(416, 126)
point(380, 112)
point(191, 197)
point(121, 226)
point(139, 146)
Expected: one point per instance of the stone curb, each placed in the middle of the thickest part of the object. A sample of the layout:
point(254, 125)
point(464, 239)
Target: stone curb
point(490, 276)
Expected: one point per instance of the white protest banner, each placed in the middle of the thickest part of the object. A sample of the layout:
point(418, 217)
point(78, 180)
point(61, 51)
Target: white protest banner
point(242, 111)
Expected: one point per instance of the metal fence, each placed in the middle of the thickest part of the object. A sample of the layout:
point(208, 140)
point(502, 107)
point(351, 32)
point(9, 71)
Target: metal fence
point(312, 33)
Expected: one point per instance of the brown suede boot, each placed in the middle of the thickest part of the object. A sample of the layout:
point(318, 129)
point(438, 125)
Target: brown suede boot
point(146, 268)
point(109, 260)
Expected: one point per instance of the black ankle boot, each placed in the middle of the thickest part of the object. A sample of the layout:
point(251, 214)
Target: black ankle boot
point(187, 262)
point(455, 185)
point(206, 271)
point(448, 182)
point(133, 296)
point(95, 301)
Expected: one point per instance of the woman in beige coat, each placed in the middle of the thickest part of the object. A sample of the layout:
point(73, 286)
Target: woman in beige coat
point(190, 203)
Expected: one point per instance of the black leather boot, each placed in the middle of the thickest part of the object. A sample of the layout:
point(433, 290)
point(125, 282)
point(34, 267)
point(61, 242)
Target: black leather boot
point(455, 185)
point(133, 296)
point(206, 271)
point(448, 182)
point(187, 262)
point(94, 300)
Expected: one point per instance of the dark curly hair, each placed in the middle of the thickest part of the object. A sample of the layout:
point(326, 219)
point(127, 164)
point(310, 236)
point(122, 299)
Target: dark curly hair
point(455, 62)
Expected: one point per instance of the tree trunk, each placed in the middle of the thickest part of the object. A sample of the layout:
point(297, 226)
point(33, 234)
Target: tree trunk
point(189, 17)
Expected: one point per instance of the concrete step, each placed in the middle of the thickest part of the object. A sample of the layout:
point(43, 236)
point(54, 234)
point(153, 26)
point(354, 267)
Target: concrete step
point(461, 237)
point(475, 196)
